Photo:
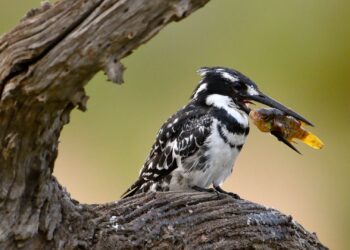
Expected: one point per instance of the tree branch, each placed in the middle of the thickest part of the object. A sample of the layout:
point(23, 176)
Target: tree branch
point(45, 62)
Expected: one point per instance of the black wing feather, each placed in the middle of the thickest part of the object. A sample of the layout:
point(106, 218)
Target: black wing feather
point(188, 129)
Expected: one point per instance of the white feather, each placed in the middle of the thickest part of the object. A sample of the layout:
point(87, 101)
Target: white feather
point(221, 157)
point(226, 103)
point(201, 88)
point(252, 91)
point(229, 77)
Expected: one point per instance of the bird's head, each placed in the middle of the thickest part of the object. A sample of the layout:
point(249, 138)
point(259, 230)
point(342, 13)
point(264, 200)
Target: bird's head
point(229, 83)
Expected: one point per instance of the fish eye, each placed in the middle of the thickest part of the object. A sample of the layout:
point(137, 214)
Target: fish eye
point(265, 118)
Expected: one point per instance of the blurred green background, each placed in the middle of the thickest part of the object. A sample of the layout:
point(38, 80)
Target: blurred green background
point(297, 51)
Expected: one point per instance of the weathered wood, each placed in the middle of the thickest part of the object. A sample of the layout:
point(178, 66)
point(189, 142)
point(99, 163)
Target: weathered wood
point(198, 221)
point(45, 62)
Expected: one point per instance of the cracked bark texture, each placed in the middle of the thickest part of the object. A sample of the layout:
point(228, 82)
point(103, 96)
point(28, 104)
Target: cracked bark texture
point(45, 62)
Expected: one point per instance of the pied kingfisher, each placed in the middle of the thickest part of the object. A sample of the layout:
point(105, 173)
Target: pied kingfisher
point(198, 145)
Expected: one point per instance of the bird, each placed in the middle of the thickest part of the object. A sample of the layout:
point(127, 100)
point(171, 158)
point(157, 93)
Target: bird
point(197, 146)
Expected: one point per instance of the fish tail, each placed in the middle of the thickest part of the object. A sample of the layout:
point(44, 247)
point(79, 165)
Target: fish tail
point(312, 141)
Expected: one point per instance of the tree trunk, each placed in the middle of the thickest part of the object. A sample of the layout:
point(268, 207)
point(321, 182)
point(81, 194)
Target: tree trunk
point(45, 62)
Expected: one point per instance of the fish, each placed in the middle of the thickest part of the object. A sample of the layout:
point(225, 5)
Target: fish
point(284, 127)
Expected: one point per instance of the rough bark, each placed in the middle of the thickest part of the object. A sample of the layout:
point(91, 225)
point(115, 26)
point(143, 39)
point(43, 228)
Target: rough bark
point(45, 62)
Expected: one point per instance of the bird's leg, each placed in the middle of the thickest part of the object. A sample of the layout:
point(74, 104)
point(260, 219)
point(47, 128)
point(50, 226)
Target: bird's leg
point(200, 189)
point(220, 190)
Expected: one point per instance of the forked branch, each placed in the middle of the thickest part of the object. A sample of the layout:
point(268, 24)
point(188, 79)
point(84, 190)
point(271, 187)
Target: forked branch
point(45, 62)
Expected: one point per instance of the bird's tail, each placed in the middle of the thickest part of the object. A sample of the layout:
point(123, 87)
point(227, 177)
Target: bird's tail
point(132, 190)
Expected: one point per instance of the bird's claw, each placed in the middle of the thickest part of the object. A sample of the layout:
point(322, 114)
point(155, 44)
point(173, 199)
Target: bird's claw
point(220, 190)
point(200, 189)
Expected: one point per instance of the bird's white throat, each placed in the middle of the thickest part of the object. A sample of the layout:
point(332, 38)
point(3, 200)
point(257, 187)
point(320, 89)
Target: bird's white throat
point(226, 103)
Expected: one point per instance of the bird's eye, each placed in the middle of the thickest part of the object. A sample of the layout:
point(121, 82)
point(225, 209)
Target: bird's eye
point(239, 86)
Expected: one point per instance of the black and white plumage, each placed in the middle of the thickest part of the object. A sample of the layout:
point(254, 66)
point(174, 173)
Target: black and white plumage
point(198, 145)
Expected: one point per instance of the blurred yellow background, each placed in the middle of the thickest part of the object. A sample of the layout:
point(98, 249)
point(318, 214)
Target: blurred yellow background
point(297, 51)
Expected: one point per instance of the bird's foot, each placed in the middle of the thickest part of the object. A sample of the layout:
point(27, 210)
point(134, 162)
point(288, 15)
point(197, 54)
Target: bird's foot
point(200, 189)
point(220, 190)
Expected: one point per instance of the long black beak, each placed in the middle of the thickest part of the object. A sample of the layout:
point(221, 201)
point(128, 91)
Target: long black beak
point(260, 97)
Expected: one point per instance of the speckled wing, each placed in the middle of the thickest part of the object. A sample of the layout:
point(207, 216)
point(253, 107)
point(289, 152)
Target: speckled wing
point(181, 136)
